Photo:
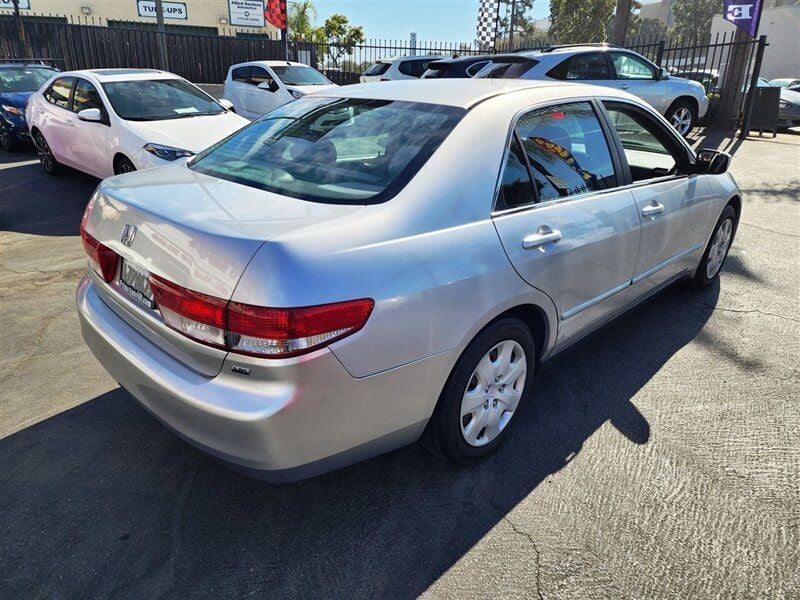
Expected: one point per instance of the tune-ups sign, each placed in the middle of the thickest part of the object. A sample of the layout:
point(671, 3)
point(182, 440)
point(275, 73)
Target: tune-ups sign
point(171, 10)
point(743, 14)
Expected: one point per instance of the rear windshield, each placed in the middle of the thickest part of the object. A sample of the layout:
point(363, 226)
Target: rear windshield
point(23, 79)
point(335, 150)
point(294, 75)
point(378, 68)
point(159, 99)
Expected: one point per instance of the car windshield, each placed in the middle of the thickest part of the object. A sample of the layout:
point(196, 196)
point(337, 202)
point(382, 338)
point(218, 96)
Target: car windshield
point(335, 150)
point(159, 99)
point(23, 79)
point(295, 75)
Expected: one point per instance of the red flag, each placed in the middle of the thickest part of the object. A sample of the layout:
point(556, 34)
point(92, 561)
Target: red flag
point(275, 13)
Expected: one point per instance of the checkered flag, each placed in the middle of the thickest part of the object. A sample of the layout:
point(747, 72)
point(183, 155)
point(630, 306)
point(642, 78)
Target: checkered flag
point(488, 13)
point(275, 13)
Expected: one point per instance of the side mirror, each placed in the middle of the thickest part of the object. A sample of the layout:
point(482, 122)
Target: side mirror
point(94, 115)
point(268, 85)
point(226, 104)
point(712, 162)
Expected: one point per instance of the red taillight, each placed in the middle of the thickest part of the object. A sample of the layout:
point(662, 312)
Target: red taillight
point(290, 331)
point(256, 330)
point(103, 257)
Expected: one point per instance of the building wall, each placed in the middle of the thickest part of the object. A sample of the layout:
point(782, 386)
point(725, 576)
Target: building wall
point(200, 13)
point(661, 11)
point(781, 26)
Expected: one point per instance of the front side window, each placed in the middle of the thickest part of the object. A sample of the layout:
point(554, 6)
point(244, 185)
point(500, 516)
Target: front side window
point(336, 150)
point(86, 96)
point(588, 66)
point(159, 99)
point(23, 79)
point(297, 75)
point(59, 91)
point(259, 75)
point(628, 66)
point(647, 148)
point(567, 151)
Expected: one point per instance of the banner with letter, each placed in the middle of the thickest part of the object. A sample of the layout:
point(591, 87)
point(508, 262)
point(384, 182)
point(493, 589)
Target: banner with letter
point(745, 14)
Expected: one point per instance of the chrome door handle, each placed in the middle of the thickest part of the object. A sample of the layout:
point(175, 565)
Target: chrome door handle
point(543, 235)
point(652, 210)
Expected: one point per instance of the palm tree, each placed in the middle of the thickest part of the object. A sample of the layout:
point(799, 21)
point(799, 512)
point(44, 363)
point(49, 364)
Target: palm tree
point(301, 20)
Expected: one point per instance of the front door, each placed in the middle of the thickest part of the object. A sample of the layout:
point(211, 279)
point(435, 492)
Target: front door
point(674, 206)
point(261, 100)
point(635, 75)
point(573, 234)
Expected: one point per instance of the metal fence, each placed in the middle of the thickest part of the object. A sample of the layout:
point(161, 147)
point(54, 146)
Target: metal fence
point(203, 55)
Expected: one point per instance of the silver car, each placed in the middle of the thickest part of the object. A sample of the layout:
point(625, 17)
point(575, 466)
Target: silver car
point(387, 262)
point(680, 100)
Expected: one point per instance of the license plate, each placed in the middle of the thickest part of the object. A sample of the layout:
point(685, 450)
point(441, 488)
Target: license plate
point(135, 281)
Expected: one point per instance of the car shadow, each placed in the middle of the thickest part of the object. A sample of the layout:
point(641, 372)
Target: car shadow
point(31, 201)
point(101, 500)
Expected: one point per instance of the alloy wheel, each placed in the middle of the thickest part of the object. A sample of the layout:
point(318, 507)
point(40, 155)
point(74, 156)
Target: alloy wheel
point(493, 392)
point(44, 153)
point(125, 167)
point(719, 248)
point(682, 120)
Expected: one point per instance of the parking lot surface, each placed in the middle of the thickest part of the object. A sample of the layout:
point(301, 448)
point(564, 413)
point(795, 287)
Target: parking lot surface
point(660, 459)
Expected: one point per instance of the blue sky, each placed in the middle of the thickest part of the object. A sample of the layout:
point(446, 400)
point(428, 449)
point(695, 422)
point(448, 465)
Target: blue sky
point(432, 20)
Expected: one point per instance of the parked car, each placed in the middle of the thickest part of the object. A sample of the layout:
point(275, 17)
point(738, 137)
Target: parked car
point(708, 78)
point(681, 101)
point(398, 67)
point(342, 278)
point(258, 87)
point(788, 104)
point(786, 82)
point(109, 121)
point(17, 82)
point(461, 67)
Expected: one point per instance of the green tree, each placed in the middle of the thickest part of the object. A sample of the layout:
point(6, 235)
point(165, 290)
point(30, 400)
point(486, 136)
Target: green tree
point(580, 21)
point(341, 37)
point(652, 27)
point(301, 21)
point(693, 18)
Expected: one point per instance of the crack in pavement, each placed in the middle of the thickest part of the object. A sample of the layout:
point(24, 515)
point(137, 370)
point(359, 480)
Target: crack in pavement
point(742, 311)
point(536, 551)
point(791, 235)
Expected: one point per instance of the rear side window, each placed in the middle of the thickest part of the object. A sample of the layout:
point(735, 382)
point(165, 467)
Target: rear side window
point(377, 68)
point(335, 150)
point(567, 151)
point(59, 91)
point(241, 74)
point(588, 66)
point(473, 69)
point(497, 69)
point(413, 68)
point(515, 187)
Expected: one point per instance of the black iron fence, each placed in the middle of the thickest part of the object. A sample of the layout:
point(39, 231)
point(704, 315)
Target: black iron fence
point(203, 55)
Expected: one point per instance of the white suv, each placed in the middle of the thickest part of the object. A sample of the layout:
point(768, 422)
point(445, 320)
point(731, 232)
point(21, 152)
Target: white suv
point(258, 87)
point(398, 67)
point(681, 101)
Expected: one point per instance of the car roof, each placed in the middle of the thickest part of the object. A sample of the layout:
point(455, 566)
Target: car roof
point(463, 59)
point(34, 65)
point(391, 59)
point(270, 63)
point(106, 75)
point(466, 93)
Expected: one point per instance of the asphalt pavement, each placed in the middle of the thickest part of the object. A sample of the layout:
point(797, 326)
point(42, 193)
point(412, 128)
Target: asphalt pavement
point(660, 459)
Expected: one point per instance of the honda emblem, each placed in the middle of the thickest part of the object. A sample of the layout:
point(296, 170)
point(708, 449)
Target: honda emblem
point(128, 233)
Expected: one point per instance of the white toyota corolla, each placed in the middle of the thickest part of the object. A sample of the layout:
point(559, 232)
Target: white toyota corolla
point(110, 121)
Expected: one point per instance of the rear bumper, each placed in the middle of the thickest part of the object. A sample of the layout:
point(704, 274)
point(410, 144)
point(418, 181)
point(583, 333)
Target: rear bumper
point(287, 420)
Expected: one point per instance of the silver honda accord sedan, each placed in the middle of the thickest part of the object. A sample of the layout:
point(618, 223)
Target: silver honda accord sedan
point(385, 263)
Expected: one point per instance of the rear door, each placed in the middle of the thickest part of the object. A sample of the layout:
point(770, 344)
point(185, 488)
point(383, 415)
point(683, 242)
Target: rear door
point(237, 88)
point(573, 234)
point(637, 76)
point(57, 119)
point(586, 67)
point(674, 206)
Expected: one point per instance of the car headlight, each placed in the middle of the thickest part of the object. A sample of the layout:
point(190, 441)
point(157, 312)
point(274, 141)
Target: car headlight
point(167, 152)
point(784, 104)
point(296, 94)
point(14, 110)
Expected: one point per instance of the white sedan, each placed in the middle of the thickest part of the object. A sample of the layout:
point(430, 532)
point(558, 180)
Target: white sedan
point(110, 121)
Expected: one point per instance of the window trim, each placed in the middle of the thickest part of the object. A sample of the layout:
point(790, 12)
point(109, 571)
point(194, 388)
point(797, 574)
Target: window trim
point(613, 151)
point(624, 181)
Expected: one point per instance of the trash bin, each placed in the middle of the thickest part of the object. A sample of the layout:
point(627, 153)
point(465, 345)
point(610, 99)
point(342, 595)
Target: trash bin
point(765, 110)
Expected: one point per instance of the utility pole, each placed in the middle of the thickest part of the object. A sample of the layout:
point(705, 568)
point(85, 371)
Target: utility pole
point(23, 40)
point(621, 18)
point(161, 39)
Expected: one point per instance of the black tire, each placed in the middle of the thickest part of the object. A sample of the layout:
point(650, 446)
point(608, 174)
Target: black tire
point(49, 163)
point(443, 436)
point(701, 277)
point(7, 141)
point(122, 164)
point(682, 115)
